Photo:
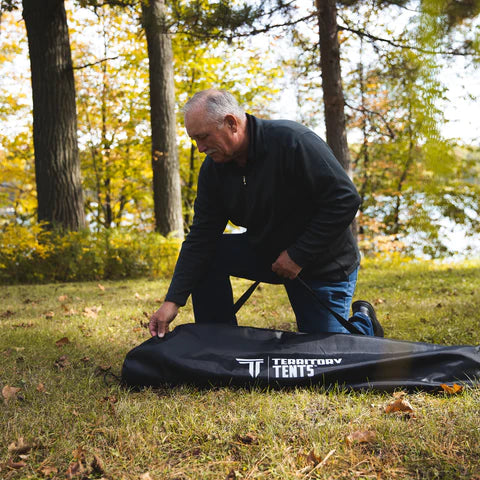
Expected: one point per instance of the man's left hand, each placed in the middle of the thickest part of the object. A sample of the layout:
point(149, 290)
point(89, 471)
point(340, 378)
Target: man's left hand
point(285, 267)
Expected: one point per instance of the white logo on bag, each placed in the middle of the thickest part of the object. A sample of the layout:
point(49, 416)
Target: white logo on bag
point(288, 367)
point(253, 365)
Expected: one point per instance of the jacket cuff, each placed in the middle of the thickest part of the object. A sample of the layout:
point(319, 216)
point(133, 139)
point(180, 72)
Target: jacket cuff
point(302, 259)
point(178, 298)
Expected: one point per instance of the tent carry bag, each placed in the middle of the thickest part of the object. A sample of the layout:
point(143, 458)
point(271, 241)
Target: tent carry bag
point(219, 355)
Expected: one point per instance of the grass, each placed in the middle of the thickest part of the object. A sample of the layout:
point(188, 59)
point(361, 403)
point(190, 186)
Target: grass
point(74, 425)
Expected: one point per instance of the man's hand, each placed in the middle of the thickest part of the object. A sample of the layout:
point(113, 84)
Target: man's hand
point(161, 319)
point(285, 267)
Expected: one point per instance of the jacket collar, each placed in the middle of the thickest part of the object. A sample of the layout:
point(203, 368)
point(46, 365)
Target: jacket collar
point(256, 139)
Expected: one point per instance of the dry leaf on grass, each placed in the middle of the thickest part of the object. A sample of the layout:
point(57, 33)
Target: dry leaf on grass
point(10, 393)
point(101, 287)
point(41, 388)
point(96, 467)
point(146, 476)
point(453, 390)
point(360, 436)
point(15, 465)
point(91, 312)
point(20, 446)
point(49, 314)
point(62, 362)
point(248, 439)
point(63, 341)
point(63, 298)
point(48, 470)
point(400, 405)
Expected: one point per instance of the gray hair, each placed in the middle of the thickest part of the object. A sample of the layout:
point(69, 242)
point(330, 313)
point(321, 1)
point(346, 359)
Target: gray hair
point(217, 104)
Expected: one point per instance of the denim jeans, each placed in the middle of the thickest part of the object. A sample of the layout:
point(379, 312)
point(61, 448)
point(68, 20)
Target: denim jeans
point(213, 298)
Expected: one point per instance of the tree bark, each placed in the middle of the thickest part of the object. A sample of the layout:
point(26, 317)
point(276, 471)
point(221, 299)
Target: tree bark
point(57, 164)
point(333, 99)
point(166, 176)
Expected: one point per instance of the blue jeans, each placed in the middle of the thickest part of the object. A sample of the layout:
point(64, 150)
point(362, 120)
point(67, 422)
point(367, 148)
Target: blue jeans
point(213, 298)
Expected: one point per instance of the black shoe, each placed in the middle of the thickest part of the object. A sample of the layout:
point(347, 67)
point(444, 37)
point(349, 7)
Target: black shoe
point(367, 309)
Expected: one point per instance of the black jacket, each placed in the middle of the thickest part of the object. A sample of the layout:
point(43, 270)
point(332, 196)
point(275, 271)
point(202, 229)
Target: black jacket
point(293, 194)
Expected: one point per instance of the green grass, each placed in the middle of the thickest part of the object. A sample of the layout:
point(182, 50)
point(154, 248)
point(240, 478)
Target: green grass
point(184, 433)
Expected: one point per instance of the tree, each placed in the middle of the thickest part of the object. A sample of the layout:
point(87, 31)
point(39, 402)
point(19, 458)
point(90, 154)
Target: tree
point(333, 99)
point(112, 90)
point(57, 168)
point(166, 178)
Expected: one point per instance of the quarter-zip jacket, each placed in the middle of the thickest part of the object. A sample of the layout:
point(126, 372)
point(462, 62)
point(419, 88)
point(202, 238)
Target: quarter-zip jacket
point(292, 195)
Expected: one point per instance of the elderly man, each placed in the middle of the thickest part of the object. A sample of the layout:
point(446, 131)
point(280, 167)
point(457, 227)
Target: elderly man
point(281, 182)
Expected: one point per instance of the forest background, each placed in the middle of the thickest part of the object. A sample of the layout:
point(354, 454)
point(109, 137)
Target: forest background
point(124, 181)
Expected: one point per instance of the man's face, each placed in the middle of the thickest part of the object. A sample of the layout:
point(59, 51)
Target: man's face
point(217, 141)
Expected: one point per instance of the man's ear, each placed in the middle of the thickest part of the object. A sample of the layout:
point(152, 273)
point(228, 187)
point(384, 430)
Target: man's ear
point(232, 122)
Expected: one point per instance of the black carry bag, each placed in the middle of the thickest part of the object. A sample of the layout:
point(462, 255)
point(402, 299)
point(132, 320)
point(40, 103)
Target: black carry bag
point(219, 355)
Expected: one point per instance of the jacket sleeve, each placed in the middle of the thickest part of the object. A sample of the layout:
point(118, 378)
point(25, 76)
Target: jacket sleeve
point(197, 250)
point(334, 199)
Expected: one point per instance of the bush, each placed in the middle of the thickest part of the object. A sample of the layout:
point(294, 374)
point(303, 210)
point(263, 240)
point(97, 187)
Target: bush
point(35, 255)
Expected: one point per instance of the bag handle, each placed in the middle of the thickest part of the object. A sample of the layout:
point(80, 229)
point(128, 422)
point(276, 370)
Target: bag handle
point(345, 323)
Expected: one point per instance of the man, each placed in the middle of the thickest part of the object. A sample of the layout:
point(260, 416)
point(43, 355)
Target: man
point(281, 182)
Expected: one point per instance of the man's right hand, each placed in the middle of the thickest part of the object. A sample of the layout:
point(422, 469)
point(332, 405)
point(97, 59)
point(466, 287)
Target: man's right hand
point(161, 319)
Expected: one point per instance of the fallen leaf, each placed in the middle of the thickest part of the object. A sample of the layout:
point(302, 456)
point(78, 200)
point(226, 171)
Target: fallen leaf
point(91, 312)
point(101, 287)
point(49, 315)
point(62, 298)
point(63, 341)
point(10, 393)
point(48, 470)
point(313, 458)
point(7, 314)
point(41, 388)
point(15, 465)
point(68, 311)
point(101, 369)
point(75, 469)
point(401, 394)
point(401, 405)
point(20, 446)
point(24, 325)
point(137, 296)
point(453, 390)
point(62, 362)
point(146, 476)
point(361, 436)
point(96, 466)
point(248, 439)
point(231, 475)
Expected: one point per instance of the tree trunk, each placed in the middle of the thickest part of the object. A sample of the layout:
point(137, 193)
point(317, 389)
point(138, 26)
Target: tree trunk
point(333, 99)
point(166, 177)
point(57, 165)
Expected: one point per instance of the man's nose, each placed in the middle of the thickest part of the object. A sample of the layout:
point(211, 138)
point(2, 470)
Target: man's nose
point(201, 147)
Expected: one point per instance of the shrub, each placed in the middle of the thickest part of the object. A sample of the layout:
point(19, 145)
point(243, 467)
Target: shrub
point(36, 255)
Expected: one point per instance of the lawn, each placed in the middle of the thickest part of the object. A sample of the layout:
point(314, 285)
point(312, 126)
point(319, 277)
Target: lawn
point(62, 417)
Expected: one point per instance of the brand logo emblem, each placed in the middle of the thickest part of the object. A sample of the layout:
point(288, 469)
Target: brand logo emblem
point(253, 365)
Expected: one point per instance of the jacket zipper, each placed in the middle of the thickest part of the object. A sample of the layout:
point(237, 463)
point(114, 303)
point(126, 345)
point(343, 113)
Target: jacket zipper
point(244, 180)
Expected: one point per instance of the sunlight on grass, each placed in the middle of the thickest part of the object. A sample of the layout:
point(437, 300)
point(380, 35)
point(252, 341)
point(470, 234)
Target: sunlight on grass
point(74, 423)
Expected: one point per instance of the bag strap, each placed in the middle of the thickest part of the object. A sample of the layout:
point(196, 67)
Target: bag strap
point(239, 303)
point(345, 323)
